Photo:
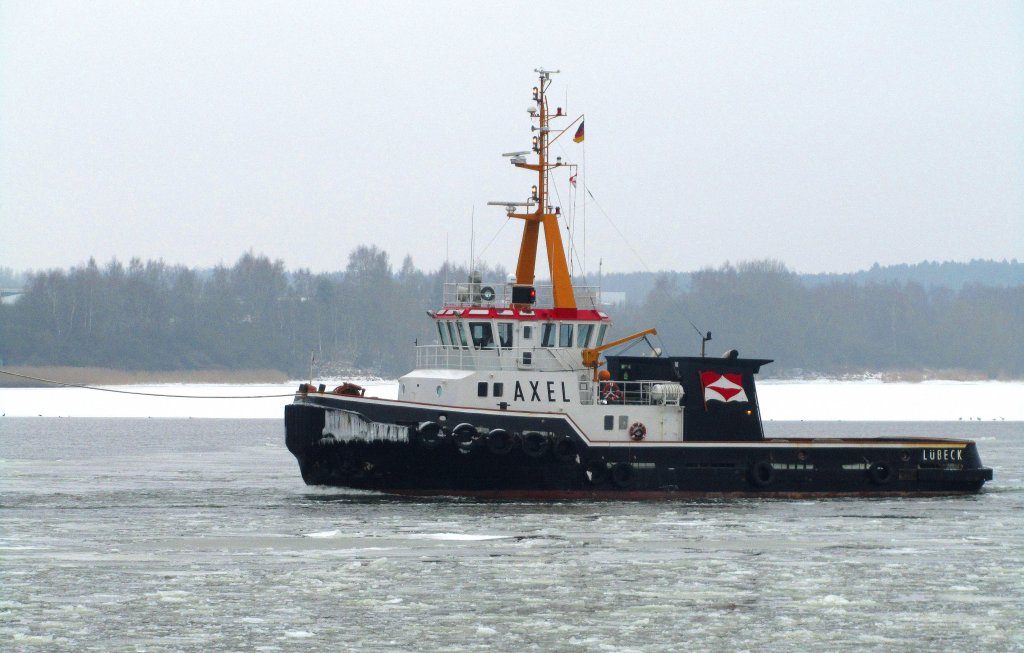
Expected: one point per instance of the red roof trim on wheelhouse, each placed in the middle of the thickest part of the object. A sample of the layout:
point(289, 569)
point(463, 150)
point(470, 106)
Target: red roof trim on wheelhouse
point(537, 314)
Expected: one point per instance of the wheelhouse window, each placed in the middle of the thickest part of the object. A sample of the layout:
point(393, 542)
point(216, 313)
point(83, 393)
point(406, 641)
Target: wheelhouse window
point(442, 331)
point(583, 332)
point(527, 333)
point(483, 336)
point(457, 327)
point(547, 335)
point(452, 338)
point(565, 335)
point(600, 335)
point(505, 334)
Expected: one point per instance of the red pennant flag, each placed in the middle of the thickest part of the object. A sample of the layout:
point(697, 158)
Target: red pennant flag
point(579, 134)
point(572, 180)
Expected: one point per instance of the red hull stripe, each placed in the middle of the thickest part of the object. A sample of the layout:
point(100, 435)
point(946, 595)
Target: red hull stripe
point(648, 495)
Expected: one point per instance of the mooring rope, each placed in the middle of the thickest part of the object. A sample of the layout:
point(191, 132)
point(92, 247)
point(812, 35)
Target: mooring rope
point(135, 392)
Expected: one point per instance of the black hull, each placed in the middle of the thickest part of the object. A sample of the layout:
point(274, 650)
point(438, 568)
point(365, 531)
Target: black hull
point(563, 465)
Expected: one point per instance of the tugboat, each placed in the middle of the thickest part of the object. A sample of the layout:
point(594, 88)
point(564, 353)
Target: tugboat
point(515, 401)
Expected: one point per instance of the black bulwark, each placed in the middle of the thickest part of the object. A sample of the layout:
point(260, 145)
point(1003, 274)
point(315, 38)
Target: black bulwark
point(708, 421)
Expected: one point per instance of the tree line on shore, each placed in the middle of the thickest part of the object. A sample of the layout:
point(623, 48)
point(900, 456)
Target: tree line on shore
point(256, 314)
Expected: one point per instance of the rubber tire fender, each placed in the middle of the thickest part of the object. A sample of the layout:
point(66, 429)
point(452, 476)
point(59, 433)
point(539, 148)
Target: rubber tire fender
point(464, 433)
point(762, 473)
point(535, 443)
point(880, 473)
point(565, 449)
point(428, 434)
point(500, 442)
point(623, 475)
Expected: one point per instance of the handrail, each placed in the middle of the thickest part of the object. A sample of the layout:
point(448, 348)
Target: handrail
point(638, 393)
point(491, 359)
point(475, 293)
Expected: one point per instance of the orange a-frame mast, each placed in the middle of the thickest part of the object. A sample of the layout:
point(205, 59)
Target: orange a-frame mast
point(526, 268)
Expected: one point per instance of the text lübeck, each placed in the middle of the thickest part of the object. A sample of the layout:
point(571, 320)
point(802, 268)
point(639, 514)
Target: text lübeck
point(942, 454)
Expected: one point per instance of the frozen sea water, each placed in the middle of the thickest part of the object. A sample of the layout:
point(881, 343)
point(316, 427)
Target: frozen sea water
point(198, 535)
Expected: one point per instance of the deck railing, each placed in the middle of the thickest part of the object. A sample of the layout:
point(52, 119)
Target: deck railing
point(637, 393)
point(490, 359)
point(500, 293)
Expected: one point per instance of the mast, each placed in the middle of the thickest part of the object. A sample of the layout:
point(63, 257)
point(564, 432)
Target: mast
point(526, 268)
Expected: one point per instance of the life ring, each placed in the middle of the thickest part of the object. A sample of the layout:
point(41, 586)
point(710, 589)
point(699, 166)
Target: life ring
point(500, 442)
point(880, 473)
point(428, 434)
point(535, 444)
point(565, 449)
point(762, 473)
point(597, 472)
point(610, 391)
point(637, 431)
point(623, 474)
point(487, 293)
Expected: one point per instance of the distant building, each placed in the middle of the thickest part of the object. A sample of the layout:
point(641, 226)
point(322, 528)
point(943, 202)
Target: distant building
point(10, 295)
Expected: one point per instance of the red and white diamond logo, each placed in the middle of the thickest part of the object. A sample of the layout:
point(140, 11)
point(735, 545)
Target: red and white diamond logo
point(722, 387)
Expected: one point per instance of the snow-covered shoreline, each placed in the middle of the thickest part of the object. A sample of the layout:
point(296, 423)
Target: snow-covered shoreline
point(819, 400)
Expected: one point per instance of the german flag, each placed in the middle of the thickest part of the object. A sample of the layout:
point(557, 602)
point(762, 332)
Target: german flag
point(578, 138)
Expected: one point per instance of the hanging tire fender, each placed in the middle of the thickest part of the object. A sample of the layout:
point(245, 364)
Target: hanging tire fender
point(500, 442)
point(880, 473)
point(464, 433)
point(623, 474)
point(565, 449)
point(762, 473)
point(429, 435)
point(535, 443)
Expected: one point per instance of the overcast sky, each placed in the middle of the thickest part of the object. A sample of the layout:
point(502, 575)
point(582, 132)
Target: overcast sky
point(828, 135)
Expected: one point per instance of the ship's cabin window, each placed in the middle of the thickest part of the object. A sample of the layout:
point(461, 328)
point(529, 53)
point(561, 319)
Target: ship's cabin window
point(481, 389)
point(583, 335)
point(565, 335)
point(482, 335)
point(609, 422)
point(600, 335)
point(442, 330)
point(527, 333)
point(547, 335)
point(505, 334)
point(499, 389)
point(457, 328)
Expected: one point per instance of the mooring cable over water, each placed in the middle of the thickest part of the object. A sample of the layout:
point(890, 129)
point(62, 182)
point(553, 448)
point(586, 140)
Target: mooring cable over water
point(144, 394)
